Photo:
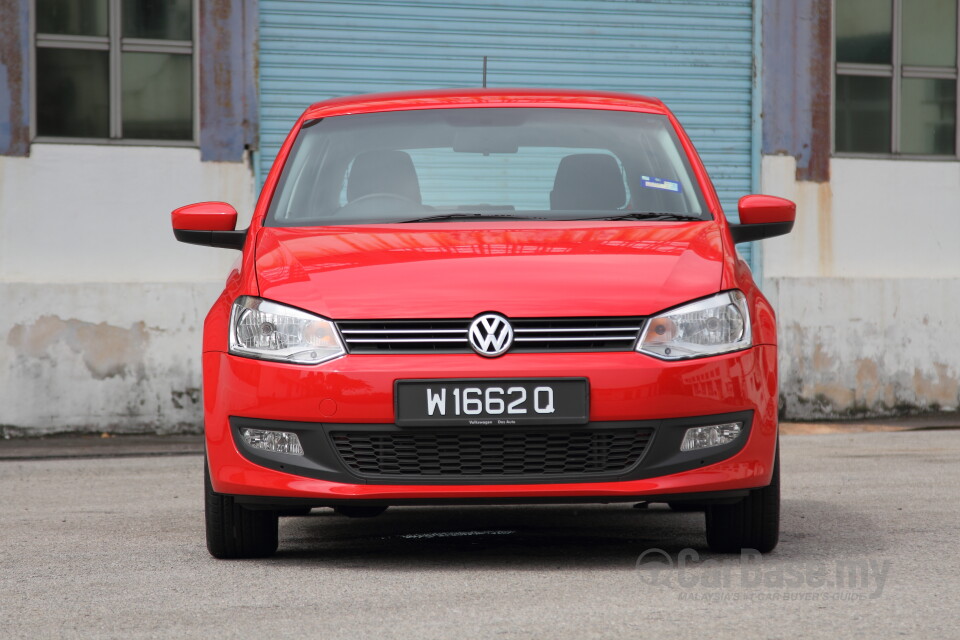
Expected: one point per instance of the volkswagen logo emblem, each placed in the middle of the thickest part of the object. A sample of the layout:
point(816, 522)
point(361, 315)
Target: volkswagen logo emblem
point(490, 335)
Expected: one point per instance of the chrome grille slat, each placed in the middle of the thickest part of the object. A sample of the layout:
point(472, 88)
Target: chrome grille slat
point(532, 335)
point(573, 339)
point(595, 330)
point(401, 331)
point(375, 341)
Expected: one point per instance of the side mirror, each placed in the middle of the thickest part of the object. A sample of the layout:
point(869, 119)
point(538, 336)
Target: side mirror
point(210, 224)
point(763, 217)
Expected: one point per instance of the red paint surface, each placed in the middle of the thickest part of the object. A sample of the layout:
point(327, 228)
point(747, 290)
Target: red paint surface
point(758, 209)
point(205, 216)
point(520, 269)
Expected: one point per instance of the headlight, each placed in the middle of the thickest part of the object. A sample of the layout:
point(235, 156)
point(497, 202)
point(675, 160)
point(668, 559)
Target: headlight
point(271, 331)
point(703, 328)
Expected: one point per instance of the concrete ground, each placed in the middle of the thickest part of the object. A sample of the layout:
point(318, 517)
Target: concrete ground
point(111, 545)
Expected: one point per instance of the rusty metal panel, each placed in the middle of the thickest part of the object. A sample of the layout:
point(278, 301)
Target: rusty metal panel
point(14, 77)
point(228, 90)
point(797, 84)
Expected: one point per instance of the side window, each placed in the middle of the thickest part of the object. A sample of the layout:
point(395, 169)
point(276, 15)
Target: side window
point(896, 77)
point(115, 69)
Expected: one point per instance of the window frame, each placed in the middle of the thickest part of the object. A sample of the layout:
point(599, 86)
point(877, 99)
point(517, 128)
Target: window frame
point(115, 44)
point(896, 71)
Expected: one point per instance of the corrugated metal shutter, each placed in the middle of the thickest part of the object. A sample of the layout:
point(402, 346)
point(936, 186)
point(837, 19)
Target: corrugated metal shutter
point(695, 55)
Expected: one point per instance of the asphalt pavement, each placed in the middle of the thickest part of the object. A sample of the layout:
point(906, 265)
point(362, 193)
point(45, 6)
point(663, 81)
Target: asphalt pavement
point(111, 545)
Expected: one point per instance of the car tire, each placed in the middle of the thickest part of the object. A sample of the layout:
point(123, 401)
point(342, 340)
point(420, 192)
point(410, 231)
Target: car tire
point(359, 511)
point(752, 523)
point(236, 532)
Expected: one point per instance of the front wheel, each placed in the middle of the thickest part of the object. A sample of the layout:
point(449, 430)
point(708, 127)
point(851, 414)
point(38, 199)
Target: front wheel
point(752, 523)
point(234, 531)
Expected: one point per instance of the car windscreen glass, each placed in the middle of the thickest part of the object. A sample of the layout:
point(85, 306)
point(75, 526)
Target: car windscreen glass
point(520, 163)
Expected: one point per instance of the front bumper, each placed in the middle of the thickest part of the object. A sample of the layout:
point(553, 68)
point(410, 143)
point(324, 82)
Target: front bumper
point(356, 392)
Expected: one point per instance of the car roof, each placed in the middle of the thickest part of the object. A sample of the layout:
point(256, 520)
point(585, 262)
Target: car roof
point(466, 98)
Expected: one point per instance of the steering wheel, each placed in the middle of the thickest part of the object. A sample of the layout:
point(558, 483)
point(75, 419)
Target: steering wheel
point(375, 202)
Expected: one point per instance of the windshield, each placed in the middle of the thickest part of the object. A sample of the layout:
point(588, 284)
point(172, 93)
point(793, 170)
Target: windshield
point(454, 164)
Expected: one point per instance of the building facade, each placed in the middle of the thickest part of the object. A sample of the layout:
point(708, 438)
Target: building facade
point(860, 111)
point(108, 121)
point(113, 113)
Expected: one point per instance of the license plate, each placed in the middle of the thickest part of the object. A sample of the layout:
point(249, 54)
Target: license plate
point(491, 402)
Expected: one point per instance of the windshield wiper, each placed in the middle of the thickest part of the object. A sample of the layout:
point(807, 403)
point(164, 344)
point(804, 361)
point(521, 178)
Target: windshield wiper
point(471, 216)
point(645, 215)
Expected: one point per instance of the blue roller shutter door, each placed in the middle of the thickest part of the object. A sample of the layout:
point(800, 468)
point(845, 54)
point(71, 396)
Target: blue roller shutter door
point(697, 56)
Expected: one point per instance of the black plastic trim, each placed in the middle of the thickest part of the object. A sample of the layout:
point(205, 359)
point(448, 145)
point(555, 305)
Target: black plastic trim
point(267, 502)
point(759, 231)
point(219, 239)
point(661, 457)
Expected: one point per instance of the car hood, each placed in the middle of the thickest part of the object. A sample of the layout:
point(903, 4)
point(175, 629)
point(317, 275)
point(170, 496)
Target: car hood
point(457, 270)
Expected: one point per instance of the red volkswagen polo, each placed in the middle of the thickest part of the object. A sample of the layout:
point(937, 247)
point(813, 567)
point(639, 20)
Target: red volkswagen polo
point(488, 296)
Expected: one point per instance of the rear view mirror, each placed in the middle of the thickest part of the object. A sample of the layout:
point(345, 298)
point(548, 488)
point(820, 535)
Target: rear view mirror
point(763, 217)
point(210, 224)
point(485, 140)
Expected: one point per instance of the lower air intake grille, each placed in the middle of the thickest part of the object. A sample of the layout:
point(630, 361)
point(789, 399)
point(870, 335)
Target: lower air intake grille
point(507, 453)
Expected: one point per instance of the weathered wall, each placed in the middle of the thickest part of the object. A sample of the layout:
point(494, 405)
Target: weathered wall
point(867, 287)
point(89, 213)
point(797, 79)
point(102, 307)
point(14, 71)
point(122, 358)
point(873, 219)
point(229, 124)
point(855, 347)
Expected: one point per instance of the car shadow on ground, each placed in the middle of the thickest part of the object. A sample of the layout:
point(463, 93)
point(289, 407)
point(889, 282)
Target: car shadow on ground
point(544, 537)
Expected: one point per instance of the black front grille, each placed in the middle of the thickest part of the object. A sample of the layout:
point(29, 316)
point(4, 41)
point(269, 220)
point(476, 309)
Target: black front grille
point(531, 335)
point(437, 454)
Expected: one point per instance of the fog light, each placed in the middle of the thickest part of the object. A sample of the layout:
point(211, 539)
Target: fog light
point(275, 441)
point(712, 436)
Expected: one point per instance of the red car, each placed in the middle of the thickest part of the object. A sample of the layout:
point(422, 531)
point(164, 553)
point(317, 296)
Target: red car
point(488, 296)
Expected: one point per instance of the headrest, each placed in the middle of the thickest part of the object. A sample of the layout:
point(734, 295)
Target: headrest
point(383, 172)
point(588, 181)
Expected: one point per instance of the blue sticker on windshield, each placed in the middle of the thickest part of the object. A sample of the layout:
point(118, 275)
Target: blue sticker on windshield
point(658, 183)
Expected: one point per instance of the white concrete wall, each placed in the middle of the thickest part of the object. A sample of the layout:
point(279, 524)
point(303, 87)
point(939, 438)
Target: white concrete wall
point(867, 288)
point(102, 307)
